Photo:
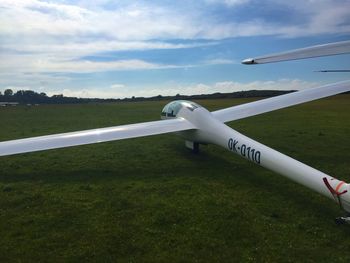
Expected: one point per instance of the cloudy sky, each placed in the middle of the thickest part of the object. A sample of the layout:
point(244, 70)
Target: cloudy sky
point(144, 48)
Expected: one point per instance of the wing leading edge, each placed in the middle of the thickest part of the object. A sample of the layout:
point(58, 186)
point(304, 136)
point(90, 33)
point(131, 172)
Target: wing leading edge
point(280, 102)
point(93, 136)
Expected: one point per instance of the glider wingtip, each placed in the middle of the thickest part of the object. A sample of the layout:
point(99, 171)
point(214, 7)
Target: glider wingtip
point(249, 61)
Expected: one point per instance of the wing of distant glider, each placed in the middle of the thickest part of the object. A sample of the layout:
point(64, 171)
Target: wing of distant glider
point(279, 102)
point(334, 70)
point(309, 52)
point(93, 136)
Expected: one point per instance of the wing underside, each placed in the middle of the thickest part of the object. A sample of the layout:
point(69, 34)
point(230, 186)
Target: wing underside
point(330, 49)
point(93, 136)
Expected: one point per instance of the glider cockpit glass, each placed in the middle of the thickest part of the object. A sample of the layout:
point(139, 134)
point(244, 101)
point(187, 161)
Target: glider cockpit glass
point(172, 109)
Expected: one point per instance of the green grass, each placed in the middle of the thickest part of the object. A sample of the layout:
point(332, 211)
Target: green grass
point(151, 200)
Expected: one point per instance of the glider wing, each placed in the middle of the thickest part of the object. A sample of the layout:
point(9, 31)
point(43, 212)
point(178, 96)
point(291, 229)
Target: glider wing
point(93, 136)
point(308, 52)
point(280, 102)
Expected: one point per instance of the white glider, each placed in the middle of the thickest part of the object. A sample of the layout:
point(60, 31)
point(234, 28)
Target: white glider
point(197, 125)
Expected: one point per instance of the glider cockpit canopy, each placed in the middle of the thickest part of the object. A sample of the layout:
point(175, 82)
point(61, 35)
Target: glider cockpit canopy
point(173, 108)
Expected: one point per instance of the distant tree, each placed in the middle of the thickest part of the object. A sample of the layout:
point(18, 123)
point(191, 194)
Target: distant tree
point(8, 92)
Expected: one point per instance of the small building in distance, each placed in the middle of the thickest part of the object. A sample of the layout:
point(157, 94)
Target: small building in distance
point(4, 104)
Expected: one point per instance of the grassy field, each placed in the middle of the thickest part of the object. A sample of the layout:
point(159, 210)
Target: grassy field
point(152, 200)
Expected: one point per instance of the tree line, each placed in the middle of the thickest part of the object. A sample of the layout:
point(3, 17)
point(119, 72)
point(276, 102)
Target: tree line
point(32, 97)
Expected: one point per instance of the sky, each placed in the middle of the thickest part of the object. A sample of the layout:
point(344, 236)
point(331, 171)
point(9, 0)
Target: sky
point(118, 49)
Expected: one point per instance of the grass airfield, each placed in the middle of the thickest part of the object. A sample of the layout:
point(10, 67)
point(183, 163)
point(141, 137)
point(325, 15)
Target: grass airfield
point(151, 200)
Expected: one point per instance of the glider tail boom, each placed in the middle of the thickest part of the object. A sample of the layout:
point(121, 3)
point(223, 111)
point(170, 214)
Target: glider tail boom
point(280, 163)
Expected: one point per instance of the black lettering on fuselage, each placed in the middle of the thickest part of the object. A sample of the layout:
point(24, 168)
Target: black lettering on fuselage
point(232, 144)
point(244, 150)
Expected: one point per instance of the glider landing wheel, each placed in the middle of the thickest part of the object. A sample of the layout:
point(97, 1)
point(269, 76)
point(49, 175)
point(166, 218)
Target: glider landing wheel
point(194, 146)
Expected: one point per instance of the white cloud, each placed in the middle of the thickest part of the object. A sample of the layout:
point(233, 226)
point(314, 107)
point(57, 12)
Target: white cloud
point(32, 80)
point(40, 37)
point(42, 64)
point(85, 66)
point(117, 86)
point(140, 22)
point(132, 22)
point(79, 49)
point(219, 61)
point(229, 3)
